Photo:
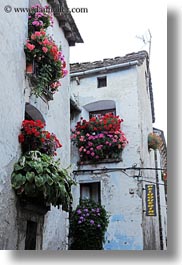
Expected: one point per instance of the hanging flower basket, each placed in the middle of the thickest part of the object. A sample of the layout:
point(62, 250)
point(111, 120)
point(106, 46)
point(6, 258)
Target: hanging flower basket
point(47, 55)
point(37, 177)
point(154, 141)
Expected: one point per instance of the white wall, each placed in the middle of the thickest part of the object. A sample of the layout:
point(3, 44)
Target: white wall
point(13, 30)
point(15, 91)
point(121, 194)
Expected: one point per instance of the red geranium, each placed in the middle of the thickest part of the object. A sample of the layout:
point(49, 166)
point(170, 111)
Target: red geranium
point(33, 137)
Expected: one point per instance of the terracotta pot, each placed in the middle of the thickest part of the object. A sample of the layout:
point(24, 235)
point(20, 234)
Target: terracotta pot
point(30, 68)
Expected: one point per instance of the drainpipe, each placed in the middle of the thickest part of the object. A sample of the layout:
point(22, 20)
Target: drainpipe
point(105, 68)
point(159, 204)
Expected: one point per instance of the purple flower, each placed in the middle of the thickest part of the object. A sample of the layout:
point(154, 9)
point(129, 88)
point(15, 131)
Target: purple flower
point(92, 222)
point(98, 225)
point(86, 210)
point(79, 211)
point(79, 222)
point(81, 217)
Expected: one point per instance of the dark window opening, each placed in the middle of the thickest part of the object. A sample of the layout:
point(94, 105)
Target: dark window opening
point(101, 82)
point(90, 191)
point(32, 113)
point(101, 112)
point(31, 233)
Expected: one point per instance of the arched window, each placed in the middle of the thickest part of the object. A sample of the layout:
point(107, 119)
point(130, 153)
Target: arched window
point(32, 113)
point(101, 107)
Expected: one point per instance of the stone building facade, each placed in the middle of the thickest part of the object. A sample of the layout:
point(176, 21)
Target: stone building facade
point(122, 85)
point(16, 99)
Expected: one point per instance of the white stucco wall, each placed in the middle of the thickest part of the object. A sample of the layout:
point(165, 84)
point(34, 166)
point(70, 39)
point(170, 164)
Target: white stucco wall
point(15, 91)
point(57, 116)
point(122, 195)
point(13, 30)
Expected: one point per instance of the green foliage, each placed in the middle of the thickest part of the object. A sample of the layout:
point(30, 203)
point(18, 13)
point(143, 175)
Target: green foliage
point(88, 224)
point(37, 175)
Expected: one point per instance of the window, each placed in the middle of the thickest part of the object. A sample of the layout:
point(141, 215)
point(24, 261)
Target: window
point(31, 233)
point(32, 113)
point(90, 191)
point(101, 112)
point(101, 81)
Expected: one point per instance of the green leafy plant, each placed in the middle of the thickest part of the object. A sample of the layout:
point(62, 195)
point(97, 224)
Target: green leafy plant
point(38, 176)
point(154, 141)
point(88, 225)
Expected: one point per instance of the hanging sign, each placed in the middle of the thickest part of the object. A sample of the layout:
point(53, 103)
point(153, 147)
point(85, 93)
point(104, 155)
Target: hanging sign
point(150, 200)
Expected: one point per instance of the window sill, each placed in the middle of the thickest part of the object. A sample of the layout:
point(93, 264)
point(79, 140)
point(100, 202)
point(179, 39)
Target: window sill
point(103, 161)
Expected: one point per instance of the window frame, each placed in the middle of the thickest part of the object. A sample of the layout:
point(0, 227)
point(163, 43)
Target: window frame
point(101, 81)
point(90, 185)
point(101, 112)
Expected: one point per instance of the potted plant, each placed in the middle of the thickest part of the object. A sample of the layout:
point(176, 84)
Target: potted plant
point(42, 52)
point(154, 141)
point(38, 178)
point(88, 224)
point(39, 18)
point(99, 138)
point(34, 137)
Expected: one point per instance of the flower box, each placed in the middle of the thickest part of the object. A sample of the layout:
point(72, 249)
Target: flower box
point(100, 138)
point(101, 161)
point(30, 68)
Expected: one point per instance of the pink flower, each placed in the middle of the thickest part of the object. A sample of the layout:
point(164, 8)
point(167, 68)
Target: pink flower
point(37, 33)
point(82, 138)
point(36, 23)
point(92, 154)
point(64, 72)
point(99, 147)
point(81, 148)
point(44, 49)
point(90, 143)
point(30, 46)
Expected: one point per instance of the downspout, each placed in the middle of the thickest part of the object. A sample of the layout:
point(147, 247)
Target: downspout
point(159, 204)
point(105, 68)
